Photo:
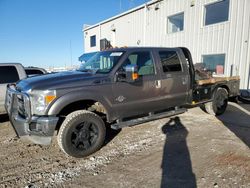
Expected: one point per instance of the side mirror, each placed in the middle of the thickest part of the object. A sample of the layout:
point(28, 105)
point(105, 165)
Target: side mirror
point(131, 72)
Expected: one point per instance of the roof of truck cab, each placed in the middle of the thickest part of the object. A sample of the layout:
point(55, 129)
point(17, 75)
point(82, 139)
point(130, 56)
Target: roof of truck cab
point(139, 48)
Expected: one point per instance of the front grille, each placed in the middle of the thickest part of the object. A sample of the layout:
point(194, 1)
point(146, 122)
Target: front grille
point(18, 102)
point(20, 106)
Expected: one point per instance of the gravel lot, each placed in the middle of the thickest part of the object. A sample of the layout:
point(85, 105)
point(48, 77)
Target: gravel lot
point(190, 150)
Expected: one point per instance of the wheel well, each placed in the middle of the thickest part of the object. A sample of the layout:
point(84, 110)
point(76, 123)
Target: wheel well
point(90, 105)
point(225, 87)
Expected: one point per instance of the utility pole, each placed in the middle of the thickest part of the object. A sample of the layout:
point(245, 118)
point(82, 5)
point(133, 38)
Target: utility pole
point(120, 6)
point(70, 48)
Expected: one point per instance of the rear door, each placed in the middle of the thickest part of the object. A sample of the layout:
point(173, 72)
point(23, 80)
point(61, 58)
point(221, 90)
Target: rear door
point(8, 74)
point(175, 77)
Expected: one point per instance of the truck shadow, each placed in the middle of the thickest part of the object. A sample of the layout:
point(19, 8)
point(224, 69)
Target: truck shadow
point(237, 120)
point(176, 163)
point(110, 135)
point(4, 118)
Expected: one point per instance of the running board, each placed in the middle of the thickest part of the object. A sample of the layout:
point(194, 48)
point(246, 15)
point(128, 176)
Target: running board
point(152, 117)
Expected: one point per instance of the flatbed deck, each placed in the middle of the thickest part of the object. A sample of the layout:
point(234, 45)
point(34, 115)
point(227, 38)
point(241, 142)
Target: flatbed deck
point(214, 80)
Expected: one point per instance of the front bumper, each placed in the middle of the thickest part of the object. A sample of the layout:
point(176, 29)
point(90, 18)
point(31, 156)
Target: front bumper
point(38, 129)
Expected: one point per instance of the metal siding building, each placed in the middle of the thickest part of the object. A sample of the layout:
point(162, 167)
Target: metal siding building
point(148, 25)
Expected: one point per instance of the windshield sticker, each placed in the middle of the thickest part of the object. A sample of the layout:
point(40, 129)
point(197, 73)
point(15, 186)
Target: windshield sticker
point(116, 54)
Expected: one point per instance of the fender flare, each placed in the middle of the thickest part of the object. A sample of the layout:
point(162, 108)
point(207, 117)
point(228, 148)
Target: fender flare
point(56, 107)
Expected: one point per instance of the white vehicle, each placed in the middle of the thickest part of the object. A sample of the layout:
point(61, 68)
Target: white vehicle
point(9, 73)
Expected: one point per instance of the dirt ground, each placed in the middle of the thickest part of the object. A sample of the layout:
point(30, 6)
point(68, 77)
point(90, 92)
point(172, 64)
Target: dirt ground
point(190, 150)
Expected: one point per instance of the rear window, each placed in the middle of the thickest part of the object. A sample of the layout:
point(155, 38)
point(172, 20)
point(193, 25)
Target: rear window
point(170, 61)
point(8, 74)
point(33, 72)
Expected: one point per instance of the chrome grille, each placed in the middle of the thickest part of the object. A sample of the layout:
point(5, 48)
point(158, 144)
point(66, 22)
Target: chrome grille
point(20, 106)
point(18, 102)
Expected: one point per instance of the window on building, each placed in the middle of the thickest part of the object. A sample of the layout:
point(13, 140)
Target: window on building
point(93, 41)
point(144, 62)
point(214, 63)
point(176, 23)
point(8, 74)
point(170, 61)
point(216, 12)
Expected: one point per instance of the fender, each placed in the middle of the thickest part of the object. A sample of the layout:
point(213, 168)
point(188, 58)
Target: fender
point(61, 102)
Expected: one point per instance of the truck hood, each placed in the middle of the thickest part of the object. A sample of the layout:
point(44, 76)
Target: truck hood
point(57, 81)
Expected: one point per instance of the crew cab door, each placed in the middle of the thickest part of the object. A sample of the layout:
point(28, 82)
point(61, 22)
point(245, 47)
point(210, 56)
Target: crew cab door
point(175, 78)
point(132, 99)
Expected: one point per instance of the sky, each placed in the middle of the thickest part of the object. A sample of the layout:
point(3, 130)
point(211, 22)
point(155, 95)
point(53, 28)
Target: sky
point(48, 33)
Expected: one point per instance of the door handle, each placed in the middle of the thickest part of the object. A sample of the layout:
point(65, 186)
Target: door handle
point(169, 75)
point(184, 81)
point(158, 84)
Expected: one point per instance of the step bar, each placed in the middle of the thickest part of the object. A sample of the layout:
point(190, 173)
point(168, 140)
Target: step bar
point(150, 117)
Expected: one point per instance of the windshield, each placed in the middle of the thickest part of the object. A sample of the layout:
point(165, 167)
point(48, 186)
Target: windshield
point(102, 62)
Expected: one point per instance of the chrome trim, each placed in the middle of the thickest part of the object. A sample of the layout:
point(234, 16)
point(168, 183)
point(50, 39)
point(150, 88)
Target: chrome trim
point(11, 97)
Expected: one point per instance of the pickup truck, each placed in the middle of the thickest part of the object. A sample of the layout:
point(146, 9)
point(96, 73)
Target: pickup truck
point(115, 88)
point(11, 73)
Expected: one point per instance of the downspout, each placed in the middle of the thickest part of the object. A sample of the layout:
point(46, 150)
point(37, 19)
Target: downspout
point(248, 82)
point(100, 33)
point(248, 58)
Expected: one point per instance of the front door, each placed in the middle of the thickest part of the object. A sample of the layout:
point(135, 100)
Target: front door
point(138, 98)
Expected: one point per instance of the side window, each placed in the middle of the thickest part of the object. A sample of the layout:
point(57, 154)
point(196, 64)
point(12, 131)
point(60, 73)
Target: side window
point(93, 41)
point(176, 23)
point(170, 61)
point(214, 63)
point(8, 74)
point(144, 62)
point(216, 12)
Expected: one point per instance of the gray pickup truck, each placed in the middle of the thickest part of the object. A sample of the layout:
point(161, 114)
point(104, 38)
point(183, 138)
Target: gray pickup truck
point(118, 88)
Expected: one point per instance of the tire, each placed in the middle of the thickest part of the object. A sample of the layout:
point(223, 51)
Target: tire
point(219, 104)
point(81, 134)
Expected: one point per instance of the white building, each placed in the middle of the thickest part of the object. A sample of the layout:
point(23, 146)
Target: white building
point(217, 32)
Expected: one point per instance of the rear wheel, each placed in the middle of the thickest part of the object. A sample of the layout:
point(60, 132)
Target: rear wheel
point(219, 104)
point(81, 134)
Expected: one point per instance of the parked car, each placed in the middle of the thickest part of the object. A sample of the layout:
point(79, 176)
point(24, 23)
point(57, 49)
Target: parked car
point(9, 73)
point(118, 87)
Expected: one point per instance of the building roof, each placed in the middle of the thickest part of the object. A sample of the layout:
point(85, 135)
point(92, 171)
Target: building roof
point(87, 27)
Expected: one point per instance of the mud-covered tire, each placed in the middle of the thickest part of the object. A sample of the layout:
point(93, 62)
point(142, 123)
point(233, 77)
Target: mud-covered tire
point(81, 134)
point(219, 104)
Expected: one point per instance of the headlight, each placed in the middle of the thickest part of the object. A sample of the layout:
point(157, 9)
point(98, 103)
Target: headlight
point(40, 100)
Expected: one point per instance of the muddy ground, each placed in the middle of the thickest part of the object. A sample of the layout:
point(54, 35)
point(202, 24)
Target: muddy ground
point(190, 150)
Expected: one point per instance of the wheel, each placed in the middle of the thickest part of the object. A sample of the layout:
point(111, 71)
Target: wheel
point(81, 134)
point(219, 104)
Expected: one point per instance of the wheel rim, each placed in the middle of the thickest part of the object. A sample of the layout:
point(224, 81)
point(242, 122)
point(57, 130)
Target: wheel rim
point(84, 136)
point(221, 102)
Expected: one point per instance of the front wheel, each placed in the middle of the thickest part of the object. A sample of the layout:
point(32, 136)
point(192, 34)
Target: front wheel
point(81, 134)
point(219, 104)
